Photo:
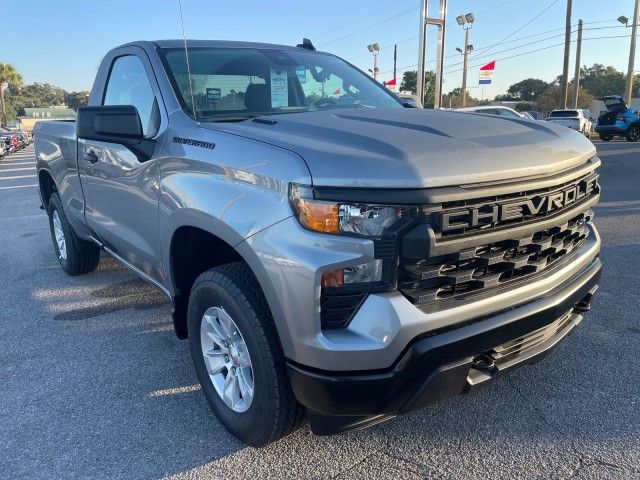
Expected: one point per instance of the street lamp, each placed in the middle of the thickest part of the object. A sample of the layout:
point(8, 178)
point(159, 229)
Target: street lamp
point(374, 48)
point(466, 22)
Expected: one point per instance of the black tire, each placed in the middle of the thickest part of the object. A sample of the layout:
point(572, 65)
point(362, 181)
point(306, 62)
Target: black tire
point(606, 138)
point(274, 411)
point(633, 133)
point(81, 257)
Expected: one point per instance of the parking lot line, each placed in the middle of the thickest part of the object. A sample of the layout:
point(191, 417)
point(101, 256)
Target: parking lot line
point(16, 169)
point(17, 177)
point(17, 186)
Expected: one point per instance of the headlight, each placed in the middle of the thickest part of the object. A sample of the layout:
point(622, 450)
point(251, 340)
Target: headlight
point(342, 217)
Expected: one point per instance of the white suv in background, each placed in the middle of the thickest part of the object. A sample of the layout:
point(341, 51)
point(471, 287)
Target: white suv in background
point(577, 119)
point(493, 110)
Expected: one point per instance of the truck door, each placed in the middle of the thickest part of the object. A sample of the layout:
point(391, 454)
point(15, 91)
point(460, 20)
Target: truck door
point(121, 191)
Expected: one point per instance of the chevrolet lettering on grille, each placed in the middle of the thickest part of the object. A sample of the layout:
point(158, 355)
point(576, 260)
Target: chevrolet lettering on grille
point(538, 204)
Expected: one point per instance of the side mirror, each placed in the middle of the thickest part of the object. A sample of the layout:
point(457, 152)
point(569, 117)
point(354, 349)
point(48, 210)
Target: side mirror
point(114, 124)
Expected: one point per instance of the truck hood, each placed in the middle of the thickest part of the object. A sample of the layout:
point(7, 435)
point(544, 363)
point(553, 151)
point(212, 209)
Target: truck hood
point(415, 148)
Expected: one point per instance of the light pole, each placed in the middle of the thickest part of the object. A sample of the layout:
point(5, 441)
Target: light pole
point(632, 50)
point(466, 22)
point(469, 49)
point(441, 23)
point(374, 48)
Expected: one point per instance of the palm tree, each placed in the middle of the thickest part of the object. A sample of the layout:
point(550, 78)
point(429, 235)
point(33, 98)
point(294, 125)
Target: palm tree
point(8, 76)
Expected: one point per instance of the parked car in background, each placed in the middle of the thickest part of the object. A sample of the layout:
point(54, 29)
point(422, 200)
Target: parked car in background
point(20, 138)
point(618, 120)
point(5, 145)
point(533, 114)
point(493, 110)
point(26, 137)
point(412, 100)
point(12, 142)
point(574, 119)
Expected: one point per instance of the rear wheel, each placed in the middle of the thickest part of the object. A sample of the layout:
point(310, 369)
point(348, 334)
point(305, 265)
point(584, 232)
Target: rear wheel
point(606, 138)
point(74, 255)
point(238, 358)
point(633, 134)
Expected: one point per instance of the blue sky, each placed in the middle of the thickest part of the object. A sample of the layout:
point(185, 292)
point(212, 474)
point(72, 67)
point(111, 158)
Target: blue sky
point(62, 42)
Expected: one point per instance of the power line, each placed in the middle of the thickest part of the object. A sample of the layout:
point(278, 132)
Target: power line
point(532, 43)
point(416, 36)
point(514, 47)
point(541, 49)
point(553, 2)
point(362, 17)
point(412, 9)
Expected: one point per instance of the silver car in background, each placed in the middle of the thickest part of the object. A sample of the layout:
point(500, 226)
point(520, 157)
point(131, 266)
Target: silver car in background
point(576, 119)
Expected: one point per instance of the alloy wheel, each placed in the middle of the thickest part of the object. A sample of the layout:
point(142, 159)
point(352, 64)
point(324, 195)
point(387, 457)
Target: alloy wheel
point(227, 359)
point(59, 234)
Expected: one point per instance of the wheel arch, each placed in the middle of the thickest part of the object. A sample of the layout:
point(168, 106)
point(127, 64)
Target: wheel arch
point(194, 248)
point(47, 186)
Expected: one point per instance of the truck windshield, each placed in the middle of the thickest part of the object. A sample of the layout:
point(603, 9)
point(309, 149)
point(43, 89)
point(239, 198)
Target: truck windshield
point(563, 114)
point(238, 83)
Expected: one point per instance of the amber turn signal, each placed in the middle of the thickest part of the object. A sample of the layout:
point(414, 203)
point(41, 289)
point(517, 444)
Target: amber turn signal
point(318, 216)
point(333, 279)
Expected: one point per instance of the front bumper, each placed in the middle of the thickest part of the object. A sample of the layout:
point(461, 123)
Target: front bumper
point(441, 365)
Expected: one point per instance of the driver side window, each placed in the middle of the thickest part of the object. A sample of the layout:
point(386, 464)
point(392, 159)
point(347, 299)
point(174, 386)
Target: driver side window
point(128, 84)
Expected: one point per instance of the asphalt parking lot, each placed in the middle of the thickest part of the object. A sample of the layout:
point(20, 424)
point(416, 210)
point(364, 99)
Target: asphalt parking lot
point(94, 383)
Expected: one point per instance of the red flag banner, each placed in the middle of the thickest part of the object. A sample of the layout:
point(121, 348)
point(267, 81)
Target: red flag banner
point(486, 73)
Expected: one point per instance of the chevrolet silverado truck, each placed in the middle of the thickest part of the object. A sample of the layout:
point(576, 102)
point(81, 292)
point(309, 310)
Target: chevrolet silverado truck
point(329, 253)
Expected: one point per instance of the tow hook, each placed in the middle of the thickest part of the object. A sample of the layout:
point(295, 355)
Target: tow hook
point(583, 305)
point(484, 361)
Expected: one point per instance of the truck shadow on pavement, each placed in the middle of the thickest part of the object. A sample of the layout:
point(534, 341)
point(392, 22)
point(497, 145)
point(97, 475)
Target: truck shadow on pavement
point(134, 293)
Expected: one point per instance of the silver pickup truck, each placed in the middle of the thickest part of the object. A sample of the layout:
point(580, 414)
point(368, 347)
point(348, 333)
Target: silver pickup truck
point(327, 250)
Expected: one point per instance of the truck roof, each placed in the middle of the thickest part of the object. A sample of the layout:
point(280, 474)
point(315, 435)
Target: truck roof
point(178, 43)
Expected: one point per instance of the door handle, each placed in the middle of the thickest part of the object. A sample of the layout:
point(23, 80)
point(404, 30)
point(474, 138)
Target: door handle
point(91, 157)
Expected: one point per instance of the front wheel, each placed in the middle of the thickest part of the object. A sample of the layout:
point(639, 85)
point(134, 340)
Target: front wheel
point(238, 358)
point(75, 256)
point(606, 138)
point(633, 134)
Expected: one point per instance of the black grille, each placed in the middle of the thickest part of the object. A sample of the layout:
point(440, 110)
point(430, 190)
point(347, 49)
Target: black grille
point(337, 306)
point(490, 265)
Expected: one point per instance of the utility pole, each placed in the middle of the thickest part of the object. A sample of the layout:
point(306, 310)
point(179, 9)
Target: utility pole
point(464, 71)
point(576, 77)
point(395, 59)
point(632, 54)
point(567, 53)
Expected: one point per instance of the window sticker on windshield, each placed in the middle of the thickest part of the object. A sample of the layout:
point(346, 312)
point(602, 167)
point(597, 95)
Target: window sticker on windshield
point(214, 95)
point(279, 88)
point(301, 72)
